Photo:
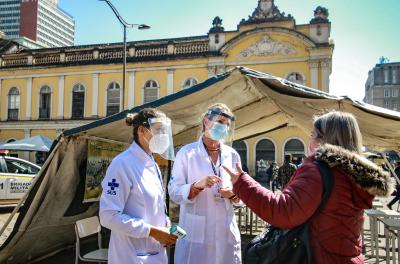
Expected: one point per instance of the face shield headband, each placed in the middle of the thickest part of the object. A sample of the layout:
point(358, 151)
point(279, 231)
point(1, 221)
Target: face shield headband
point(220, 131)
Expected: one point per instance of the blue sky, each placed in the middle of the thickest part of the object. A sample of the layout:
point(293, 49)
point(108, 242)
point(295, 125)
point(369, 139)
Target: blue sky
point(363, 30)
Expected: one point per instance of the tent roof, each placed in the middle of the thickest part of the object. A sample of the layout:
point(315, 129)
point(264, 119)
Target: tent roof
point(261, 103)
point(36, 143)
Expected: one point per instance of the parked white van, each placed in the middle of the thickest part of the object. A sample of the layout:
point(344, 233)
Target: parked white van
point(16, 176)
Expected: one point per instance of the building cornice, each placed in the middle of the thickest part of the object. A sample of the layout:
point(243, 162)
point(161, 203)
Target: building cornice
point(42, 124)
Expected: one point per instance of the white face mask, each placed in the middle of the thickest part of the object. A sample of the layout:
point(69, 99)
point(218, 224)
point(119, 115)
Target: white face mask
point(159, 143)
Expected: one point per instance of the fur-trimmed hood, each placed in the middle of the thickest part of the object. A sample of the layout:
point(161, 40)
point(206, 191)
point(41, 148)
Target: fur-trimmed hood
point(364, 172)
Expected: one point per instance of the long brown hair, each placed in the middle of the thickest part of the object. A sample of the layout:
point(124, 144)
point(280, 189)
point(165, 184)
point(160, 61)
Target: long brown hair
point(340, 129)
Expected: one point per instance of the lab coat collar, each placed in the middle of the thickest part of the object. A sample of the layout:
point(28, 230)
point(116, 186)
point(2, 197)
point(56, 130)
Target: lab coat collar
point(202, 150)
point(138, 152)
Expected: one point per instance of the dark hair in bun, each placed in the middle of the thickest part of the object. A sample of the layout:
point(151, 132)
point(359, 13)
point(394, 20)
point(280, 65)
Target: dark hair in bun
point(141, 119)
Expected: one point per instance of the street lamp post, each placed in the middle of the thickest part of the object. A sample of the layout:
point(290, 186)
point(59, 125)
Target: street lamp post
point(125, 25)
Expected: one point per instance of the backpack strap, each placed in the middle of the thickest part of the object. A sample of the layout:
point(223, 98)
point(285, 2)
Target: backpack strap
point(327, 182)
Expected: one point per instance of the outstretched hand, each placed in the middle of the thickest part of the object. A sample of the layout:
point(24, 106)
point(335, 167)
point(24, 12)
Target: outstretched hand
point(234, 176)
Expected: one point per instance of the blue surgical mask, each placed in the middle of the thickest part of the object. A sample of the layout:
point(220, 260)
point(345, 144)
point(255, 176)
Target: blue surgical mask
point(218, 131)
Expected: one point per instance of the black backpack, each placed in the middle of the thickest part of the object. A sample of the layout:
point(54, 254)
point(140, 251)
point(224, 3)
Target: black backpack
point(291, 246)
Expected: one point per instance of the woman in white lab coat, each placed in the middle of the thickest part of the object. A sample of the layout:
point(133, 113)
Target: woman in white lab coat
point(204, 192)
point(132, 204)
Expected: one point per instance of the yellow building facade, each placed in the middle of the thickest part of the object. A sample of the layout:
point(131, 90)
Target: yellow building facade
point(46, 91)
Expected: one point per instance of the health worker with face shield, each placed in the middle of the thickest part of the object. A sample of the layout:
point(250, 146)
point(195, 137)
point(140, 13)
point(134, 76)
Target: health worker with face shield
point(203, 190)
point(132, 204)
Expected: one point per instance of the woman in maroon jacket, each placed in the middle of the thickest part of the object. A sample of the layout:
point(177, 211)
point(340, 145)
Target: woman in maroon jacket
point(335, 231)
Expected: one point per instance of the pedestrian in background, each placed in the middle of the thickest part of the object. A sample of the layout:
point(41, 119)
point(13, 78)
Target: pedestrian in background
point(286, 171)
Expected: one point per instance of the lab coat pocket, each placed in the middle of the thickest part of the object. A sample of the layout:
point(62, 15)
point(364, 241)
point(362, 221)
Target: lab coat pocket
point(195, 227)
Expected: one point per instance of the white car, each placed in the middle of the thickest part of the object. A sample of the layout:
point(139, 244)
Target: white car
point(16, 176)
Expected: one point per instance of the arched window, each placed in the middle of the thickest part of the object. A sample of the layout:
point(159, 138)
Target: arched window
point(265, 151)
point(296, 78)
point(113, 98)
point(189, 83)
point(78, 101)
point(44, 102)
point(296, 148)
point(13, 103)
point(241, 148)
point(150, 92)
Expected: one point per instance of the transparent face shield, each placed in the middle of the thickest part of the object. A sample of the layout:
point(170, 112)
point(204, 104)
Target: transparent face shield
point(220, 126)
point(161, 141)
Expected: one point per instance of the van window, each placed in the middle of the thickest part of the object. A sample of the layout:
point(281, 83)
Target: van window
point(16, 166)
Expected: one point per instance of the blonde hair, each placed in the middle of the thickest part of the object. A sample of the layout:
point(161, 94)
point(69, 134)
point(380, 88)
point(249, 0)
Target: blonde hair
point(218, 107)
point(340, 129)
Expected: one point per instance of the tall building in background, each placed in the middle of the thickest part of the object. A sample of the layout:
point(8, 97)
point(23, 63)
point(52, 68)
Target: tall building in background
point(40, 21)
point(383, 85)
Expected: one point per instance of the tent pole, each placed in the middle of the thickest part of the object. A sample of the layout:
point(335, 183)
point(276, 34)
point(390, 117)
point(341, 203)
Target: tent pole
point(166, 187)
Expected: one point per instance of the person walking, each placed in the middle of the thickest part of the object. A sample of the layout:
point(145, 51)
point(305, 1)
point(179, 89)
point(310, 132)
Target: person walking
point(286, 171)
point(396, 193)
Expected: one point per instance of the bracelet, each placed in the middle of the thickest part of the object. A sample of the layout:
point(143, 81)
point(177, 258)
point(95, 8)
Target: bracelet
point(232, 197)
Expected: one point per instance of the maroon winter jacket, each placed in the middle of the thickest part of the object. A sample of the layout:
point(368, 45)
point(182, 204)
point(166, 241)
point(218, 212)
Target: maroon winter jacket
point(335, 231)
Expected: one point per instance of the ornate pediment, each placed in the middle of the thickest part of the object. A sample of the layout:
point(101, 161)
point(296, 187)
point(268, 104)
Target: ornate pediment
point(267, 47)
point(266, 11)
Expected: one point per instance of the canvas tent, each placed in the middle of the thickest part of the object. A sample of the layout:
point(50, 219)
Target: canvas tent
point(261, 103)
point(36, 143)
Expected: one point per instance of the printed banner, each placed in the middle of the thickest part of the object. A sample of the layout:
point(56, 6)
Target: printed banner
point(100, 155)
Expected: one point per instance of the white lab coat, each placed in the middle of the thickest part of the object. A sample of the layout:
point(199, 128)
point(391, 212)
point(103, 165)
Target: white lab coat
point(132, 200)
point(213, 236)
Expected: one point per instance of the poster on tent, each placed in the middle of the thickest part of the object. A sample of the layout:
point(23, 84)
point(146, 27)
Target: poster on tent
point(100, 155)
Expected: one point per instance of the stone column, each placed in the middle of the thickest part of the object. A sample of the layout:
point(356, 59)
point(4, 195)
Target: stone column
point(212, 71)
point(325, 73)
point(131, 89)
point(95, 100)
point(27, 135)
point(28, 113)
point(170, 81)
point(314, 65)
point(60, 104)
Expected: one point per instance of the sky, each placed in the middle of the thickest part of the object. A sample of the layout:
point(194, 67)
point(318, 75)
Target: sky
point(362, 30)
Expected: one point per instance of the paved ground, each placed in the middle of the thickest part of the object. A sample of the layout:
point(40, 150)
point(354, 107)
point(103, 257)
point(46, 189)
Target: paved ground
point(5, 212)
point(68, 256)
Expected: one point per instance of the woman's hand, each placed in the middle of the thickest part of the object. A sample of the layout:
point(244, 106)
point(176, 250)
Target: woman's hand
point(234, 176)
point(162, 235)
point(207, 182)
point(229, 194)
point(226, 193)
